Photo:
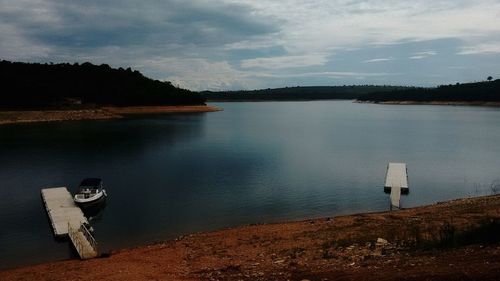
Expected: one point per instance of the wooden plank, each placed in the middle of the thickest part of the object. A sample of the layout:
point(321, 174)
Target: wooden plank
point(61, 209)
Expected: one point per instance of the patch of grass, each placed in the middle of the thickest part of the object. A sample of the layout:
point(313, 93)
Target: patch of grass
point(446, 235)
point(486, 232)
point(296, 251)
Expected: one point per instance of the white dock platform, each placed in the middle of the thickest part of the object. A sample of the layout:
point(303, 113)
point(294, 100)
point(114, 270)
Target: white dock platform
point(396, 182)
point(397, 176)
point(62, 210)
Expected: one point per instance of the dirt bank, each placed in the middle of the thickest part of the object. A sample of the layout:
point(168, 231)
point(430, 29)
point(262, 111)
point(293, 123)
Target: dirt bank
point(28, 116)
point(456, 240)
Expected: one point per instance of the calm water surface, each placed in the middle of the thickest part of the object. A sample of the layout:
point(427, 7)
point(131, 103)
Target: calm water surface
point(169, 175)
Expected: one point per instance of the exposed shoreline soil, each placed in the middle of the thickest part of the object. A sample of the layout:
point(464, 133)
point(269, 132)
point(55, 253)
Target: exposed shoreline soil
point(454, 240)
point(30, 116)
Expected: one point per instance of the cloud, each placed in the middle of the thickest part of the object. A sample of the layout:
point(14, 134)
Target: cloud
point(285, 61)
point(378, 60)
point(243, 43)
point(257, 43)
point(488, 48)
point(15, 46)
point(89, 24)
point(423, 55)
point(320, 25)
point(337, 74)
point(201, 74)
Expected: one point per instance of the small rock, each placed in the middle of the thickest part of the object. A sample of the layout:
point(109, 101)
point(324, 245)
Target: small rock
point(382, 241)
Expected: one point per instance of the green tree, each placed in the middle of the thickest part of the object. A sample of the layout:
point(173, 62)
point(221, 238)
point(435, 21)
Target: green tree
point(489, 78)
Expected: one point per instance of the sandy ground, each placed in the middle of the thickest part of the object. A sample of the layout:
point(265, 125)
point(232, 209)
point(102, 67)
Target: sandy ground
point(400, 245)
point(28, 116)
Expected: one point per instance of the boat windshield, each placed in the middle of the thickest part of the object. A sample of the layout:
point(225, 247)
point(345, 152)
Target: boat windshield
point(88, 189)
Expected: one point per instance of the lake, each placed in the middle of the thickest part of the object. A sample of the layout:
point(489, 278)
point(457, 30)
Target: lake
point(169, 175)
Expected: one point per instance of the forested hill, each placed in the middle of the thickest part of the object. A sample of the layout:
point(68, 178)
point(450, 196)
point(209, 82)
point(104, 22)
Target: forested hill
point(298, 93)
point(32, 85)
point(467, 92)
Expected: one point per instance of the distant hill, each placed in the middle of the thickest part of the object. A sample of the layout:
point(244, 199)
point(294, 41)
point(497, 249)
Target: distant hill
point(33, 85)
point(298, 93)
point(467, 92)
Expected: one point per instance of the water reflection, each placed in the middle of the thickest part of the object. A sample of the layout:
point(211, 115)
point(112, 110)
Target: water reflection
point(169, 175)
point(95, 212)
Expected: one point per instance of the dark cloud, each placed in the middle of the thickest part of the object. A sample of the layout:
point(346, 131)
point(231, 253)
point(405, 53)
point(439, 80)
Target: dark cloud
point(87, 24)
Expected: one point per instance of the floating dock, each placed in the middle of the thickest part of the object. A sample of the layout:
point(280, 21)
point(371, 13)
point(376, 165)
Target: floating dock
point(67, 219)
point(396, 182)
point(62, 210)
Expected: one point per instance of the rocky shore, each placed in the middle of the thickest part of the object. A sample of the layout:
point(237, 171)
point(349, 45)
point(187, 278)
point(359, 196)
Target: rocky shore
point(455, 240)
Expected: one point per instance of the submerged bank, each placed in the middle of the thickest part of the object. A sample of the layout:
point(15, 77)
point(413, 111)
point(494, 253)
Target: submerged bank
point(29, 116)
point(452, 240)
point(455, 103)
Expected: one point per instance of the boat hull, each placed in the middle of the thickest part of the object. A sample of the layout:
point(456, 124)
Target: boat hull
point(91, 201)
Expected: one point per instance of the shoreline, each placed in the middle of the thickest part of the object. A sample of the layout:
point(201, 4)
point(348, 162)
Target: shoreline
point(411, 243)
point(32, 116)
point(109, 112)
point(451, 103)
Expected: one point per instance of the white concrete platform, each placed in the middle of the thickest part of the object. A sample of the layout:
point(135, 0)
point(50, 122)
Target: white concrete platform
point(396, 176)
point(62, 210)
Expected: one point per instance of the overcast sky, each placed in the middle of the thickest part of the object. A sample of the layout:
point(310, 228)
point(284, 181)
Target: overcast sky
point(248, 44)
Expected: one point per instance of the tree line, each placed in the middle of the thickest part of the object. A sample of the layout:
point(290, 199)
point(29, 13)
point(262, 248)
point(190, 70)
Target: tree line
point(486, 91)
point(34, 85)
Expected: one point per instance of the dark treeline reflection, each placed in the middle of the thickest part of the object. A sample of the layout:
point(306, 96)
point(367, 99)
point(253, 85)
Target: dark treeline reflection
point(102, 137)
point(299, 93)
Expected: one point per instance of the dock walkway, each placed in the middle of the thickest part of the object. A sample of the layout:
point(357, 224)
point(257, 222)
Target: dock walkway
point(67, 219)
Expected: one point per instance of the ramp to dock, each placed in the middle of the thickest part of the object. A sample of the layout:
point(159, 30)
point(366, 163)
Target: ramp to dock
point(84, 242)
point(67, 219)
point(395, 197)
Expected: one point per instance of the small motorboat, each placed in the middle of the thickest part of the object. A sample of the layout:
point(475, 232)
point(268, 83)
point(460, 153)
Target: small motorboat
point(91, 191)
